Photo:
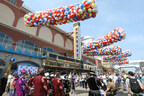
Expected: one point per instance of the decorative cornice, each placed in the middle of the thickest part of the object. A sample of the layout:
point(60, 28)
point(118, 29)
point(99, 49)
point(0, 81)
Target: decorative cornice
point(23, 32)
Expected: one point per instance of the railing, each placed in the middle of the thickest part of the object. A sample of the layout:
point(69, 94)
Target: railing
point(56, 60)
point(52, 59)
point(19, 50)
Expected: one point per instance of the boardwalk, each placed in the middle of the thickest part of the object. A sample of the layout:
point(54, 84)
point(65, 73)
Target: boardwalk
point(84, 92)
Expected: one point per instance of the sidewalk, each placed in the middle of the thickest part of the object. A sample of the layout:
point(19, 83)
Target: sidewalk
point(80, 92)
point(84, 92)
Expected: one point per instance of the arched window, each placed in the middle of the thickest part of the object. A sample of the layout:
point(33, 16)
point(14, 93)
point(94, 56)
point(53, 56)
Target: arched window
point(28, 45)
point(13, 2)
point(64, 54)
point(5, 39)
point(49, 50)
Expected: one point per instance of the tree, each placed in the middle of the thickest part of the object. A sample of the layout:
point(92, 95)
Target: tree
point(104, 68)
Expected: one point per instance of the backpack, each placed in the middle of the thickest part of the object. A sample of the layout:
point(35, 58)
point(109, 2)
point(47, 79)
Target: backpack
point(134, 85)
point(119, 79)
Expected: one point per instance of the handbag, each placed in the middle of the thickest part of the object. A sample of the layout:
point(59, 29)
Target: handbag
point(5, 94)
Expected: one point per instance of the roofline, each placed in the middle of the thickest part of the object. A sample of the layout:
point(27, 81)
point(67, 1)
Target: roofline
point(33, 36)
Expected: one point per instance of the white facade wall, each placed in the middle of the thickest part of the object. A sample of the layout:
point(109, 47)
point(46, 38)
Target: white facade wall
point(45, 33)
point(23, 27)
point(6, 15)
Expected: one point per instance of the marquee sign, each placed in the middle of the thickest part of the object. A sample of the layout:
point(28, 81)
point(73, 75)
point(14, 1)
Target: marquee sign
point(77, 41)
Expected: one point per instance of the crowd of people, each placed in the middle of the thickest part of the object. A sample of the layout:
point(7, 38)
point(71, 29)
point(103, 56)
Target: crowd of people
point(110, 84)
point(49, 83)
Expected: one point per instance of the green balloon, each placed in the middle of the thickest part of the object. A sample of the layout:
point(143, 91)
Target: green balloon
point(49, 21)
point(94, 10)
point(89, 10)
point(71, 20)
point(84, 9)
point(80, 11)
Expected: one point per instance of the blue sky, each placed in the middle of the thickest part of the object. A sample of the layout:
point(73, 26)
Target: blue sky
point(128, 14)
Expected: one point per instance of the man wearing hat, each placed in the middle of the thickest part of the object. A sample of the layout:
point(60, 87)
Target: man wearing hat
point(66, 83)
point(57, 85)
point(40, 84)
point(94, 85)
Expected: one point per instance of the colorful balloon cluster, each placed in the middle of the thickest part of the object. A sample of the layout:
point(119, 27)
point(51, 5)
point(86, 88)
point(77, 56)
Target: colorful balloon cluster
point(121, 62)
point(115, 50)
point(114, 57)
point(62, 15)
point(117, 35)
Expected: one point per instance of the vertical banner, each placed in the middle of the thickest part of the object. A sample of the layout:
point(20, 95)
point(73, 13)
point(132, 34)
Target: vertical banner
point(77, 41)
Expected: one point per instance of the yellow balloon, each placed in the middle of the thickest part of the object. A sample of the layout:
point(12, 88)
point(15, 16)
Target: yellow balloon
point(93, 5)
point(57, 23)
point(56, 18)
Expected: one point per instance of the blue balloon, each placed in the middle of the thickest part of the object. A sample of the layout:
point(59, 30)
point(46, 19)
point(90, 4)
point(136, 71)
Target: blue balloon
point(82, 6)
point(35, 23)
point(67, 8)
point(45, 20)
point(12, 59)
point(66, 13)
point(40, 20)
point(50, 13)
point(30, 19)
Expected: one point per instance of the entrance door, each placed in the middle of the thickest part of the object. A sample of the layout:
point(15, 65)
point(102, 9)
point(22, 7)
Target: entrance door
point(2, 64)
point(1, 73)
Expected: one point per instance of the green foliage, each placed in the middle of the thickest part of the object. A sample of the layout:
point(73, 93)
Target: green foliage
point(104, 69)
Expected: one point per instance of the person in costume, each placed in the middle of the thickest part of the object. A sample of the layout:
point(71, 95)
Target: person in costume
point(66, 83)
point(21, 85)
point(40, 84)
point(57, 85)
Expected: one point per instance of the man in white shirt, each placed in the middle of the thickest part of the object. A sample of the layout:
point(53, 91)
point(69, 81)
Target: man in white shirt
point(113, 77)
point(104, 79)
point(10, 76)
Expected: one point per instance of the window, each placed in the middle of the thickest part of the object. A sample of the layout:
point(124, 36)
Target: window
point(64, 54)
point(49, 50)
point(27, 45)
point(13, 2)
point(5, 39)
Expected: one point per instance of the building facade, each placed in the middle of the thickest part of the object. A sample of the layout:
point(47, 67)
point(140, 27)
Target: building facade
point(36, 45)
point(133, 65)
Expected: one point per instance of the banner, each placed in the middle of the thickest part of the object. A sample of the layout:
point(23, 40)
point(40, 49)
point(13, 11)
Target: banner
point(27, 68)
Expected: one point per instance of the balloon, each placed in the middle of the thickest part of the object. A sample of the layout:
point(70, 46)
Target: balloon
point(121, 55)
point(120, 62)
point(115, 50)
point(115, 36)
point(62, 15)
point(12, 59)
